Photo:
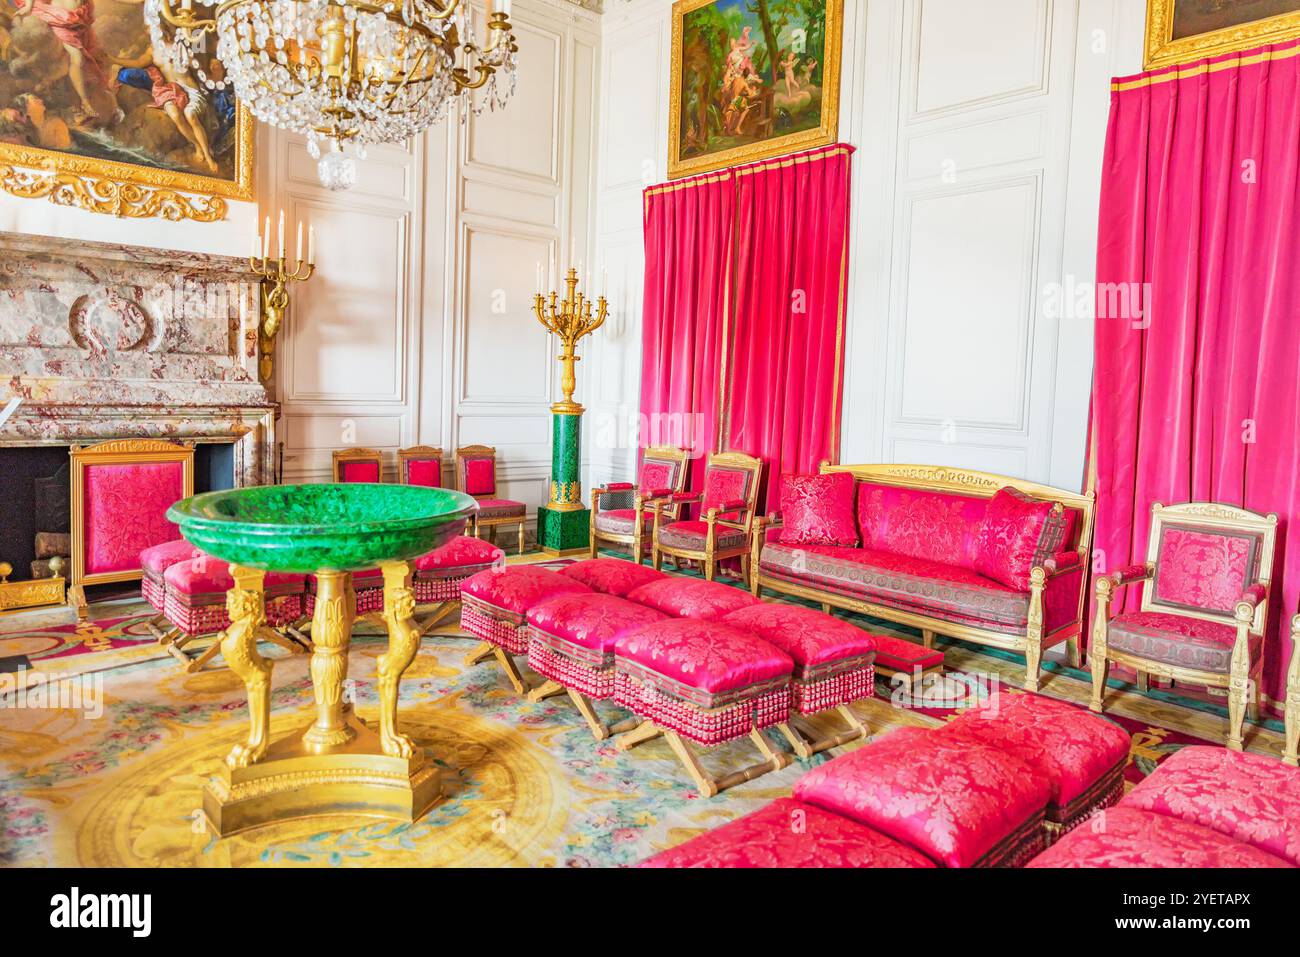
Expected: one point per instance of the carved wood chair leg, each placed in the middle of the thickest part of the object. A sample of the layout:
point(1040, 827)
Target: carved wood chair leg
point(481, 653)
point(826, 608)
point(626, 725)
point(710, 570)
point(705, 782)
point(1143, 682)
point(547, 689)
point(440, 613)
point(1072, 653)
point(208, 654)
point(507, 663)
point(521, 537)
point(643, 732)
point(585, 708)
point(797, 742)
point(927, 637)
point(1100, 671)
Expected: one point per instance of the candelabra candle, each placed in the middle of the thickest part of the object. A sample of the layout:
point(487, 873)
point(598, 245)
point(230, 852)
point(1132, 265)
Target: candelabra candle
point(570, 320)
point(275, 275)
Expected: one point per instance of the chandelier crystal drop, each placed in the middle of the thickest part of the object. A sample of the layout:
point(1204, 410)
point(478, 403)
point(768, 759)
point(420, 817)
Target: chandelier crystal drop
point(344, 73)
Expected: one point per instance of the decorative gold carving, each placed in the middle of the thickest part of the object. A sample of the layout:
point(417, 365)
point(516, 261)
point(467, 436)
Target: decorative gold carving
point(246, 607)
point(403, 643)
point(127, 189)
point(570, 320)
point(275, 278)
point(26, 594)
point(823, 135)
point(1291, 755)
point(331, 633)
point(1163, 50)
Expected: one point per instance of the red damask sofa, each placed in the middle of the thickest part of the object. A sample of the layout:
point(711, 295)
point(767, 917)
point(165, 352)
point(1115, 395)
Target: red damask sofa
point(940, 549)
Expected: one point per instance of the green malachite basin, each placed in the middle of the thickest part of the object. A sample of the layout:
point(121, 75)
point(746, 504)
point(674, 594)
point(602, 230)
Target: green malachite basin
point(324, 527)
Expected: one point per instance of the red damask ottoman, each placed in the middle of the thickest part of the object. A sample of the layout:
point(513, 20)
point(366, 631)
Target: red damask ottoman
point(495, 605)
point(1128, 837)
point(692, 598)
point(612, 576)
point(705, 681)
point(788, 833)
point(959, 802)
point(832, 667)
point(1250, 798)
point(571, 641)
point(196, 604)
point(154, 562)
point(1082, 756)
point(440, 573)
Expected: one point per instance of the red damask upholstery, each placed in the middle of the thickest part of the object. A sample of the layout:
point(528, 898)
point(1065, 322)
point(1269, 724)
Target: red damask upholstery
point(154, 562)
point(832, 659)
point(495, 603)
point(438, 574)
point(692, 535)
point(196, 595)
point(359, 472)
point(1178, 640)
point(1205, 569)
point(934, 526)
point(621, 521)
point(571, 638)
point(500, 508)
point(705, 680)
point(899, 654)
point(959, 802)
point(692, 598)
point(1128, 837)
point(426, 472)
point(818, 509)
point(480, 475)
point(612, 576)
point(657, 475)
point(788, 833)
point(951, 592)
point(723, 486)
point(124, 511)
point(1017, 534)
point(1246, 797)
point(1080, 755)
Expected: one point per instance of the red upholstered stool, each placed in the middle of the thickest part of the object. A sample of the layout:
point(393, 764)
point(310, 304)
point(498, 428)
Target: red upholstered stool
point(612, 576)
point(154, 562)
point(789, 833)
point(571, 641)
point(692, 598)
point(905, 662)
point(959, 802)
point(1128, 837)
point(495, 605)
point(440, 573)
point(1249, 798)
point(196, 604)
point(705, 681)
point(1081, 755)
point(832, 667)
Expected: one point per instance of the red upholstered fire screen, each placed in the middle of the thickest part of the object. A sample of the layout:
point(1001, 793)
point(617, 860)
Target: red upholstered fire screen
point(121, 490)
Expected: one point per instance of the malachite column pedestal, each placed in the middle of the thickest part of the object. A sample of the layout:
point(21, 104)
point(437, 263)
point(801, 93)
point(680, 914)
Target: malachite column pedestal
point(563, 522)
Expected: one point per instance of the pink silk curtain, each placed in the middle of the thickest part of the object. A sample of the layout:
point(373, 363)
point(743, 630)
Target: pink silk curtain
point(791, 253)
point(689, 229)
point(1197, 397)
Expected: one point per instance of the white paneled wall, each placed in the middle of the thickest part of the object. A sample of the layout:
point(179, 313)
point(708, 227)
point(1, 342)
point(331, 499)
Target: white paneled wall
point(979, 129)
point(418, 328)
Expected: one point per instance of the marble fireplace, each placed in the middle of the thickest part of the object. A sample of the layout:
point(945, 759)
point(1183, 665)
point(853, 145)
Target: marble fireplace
point(101, 341)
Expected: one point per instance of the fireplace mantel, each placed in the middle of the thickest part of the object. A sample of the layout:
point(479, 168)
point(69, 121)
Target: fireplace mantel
point(105, 341)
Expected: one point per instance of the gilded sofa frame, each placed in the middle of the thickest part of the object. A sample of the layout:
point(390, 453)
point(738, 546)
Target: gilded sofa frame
point(636, 541)
point(479, 452)
point(340, 457)
point(1291, 755)
point(1250, 615)
point(935, 478)
point(711, 554)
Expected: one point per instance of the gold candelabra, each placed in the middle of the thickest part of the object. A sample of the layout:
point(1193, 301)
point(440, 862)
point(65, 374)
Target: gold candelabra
point(570, 320)
point(275, 278)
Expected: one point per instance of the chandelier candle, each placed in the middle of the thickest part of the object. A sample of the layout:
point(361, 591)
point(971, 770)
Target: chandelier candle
point(562, 524)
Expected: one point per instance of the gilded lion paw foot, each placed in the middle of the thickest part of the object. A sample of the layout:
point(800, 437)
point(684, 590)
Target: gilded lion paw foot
point(397, 745)
point(242, 755)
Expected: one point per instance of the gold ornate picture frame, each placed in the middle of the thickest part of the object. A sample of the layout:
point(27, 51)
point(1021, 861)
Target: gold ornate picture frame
point(91, 116)
point(730, 100)
point(1218, 28)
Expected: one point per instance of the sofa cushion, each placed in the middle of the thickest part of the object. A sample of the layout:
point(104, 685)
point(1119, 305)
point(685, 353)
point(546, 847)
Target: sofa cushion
point(463, 555)
point(612, 576)
point(950, 592)
point(959, 802)
point(1081, 755)
point(692, 535)
point(1128, 837)
point(818, 509)
point(501, 508)
point(819, 644)
point(788, 833)
point(1248, 797)
point(692, 598)
point(1017, 534)
point(705, 663)
point(620, 521)
point(934, 526)
point(1177, 640)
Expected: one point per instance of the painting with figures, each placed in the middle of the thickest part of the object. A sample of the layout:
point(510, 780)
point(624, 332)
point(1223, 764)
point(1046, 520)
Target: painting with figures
point(82, 88)
point(752, 79)
point(1179, 31)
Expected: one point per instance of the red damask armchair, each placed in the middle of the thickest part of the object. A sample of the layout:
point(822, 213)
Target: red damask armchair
point(1204, 606)
point(420, 465)
point(725, 519)
point(663, 474)
point(358, 465)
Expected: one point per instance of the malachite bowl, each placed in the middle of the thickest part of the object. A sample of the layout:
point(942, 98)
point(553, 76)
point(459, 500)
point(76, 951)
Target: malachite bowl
point(325, 527)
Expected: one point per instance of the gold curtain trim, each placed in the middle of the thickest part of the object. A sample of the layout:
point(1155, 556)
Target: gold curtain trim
point(1168, 74)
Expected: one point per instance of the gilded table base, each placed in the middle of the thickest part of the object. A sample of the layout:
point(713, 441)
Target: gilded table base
point(339, 764)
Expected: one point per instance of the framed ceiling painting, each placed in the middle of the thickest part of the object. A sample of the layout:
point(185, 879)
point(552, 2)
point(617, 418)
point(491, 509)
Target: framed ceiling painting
point(91, 117)
point(752, 79)
point(1182, 30)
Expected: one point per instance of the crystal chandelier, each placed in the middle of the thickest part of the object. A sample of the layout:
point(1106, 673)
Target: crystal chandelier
point(342, 72)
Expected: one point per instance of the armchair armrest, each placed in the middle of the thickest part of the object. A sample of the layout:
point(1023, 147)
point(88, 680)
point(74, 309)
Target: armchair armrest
point(618, 486)
point(1254, 596)
point(1062, 562)
point(686, 498)
point(1128, 575)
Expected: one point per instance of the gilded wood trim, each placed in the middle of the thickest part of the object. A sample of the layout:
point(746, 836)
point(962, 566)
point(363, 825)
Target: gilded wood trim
point(419, 453)
point(1163, 50)
point(341, 456)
